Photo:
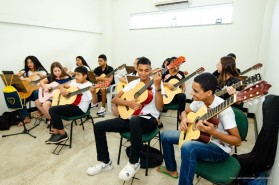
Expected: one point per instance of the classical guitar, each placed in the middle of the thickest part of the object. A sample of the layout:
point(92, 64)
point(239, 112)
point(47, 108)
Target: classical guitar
point(249, 80)
point(73, 97)
point(203, 113)
point(169, 94)
point(111, 73)
point(254, 67)
point(45, 95)
point(141, 93)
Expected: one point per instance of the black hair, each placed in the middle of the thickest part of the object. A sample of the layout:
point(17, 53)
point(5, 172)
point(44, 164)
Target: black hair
point(231, 55)
point(207, 82)
point(82, 70)
point(83, 61)
point(166, 62)
point(104, 57)
point(37, 64)
point(144, 61)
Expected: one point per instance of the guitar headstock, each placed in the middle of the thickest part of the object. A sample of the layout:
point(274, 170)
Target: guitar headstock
point(122, 66)
point(254, 91)
point(257, 66)
point(176, 62)
point(252, 79)
point(200, 70)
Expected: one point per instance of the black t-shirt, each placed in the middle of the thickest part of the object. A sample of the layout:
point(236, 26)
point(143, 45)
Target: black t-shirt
point(229, 82)
point(98, 71)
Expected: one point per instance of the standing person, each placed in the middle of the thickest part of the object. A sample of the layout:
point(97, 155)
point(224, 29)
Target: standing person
point(179, 98)
point(56, 112)
point(223, 136)
point(57, 74)
point(103, 68)
point(216, 73)
point(80, 61)
point(33, 70)
point(145, 122)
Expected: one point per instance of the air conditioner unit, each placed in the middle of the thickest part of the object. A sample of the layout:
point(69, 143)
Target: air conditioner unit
point(169, 2)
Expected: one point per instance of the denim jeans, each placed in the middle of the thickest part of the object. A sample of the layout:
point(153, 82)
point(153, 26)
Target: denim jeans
point(190, 153)
point(136, 126)
point(34, 96)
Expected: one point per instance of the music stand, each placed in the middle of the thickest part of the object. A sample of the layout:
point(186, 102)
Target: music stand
point(18, 84)
point(130, 78)
point(130, 69)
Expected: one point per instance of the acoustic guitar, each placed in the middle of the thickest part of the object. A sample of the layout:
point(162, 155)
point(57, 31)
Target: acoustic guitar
point(111, 73)
point(204, 114)
point(73, 97)
point(45, 95)
point(254, 67)
point(249, 80)
point(169, 94)
point(141, 94)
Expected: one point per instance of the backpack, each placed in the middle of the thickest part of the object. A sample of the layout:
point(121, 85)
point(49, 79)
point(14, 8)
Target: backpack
point(155, 156)
point(8, 119)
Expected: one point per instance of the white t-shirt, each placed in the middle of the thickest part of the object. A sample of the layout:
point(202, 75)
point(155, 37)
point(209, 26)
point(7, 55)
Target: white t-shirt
point(30, 73)
point(226, 118)
point(149, 108)
point(86, 96)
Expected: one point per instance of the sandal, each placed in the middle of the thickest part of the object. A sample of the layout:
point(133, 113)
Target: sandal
point(37, 114)
point(162, 169)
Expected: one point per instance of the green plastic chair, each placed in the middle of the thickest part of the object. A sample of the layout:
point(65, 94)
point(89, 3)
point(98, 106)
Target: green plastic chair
point(224, 172)
point(173, 106)
point(146, 138)
point(74, 119)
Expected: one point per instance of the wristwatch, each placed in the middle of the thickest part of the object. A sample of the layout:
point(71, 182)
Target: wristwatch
point(158, 90)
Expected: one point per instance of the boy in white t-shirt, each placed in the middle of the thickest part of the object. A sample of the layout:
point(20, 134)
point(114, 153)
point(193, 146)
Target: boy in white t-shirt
point(223, 136)
point(145, 122)
point(56, 112)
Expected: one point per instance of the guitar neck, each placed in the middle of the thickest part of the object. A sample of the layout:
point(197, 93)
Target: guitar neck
point(112, 72)
point(224, 91)
point(246, 71)
point(78, 91)
point(184, 79)
point(212, 112)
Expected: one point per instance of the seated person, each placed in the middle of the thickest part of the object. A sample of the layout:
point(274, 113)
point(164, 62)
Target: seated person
point(102, 94)
point(216, 73)
point(57, 75)
point(145, 122)
point(56, 112)
point(33, 70)
point(223, 136)
point(80, 61)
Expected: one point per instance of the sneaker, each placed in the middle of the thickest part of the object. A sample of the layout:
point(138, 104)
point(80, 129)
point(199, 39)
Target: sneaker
point(102, 111)
point(94, 105)
point(128, 172)
point(57, 138)
point(98, 168)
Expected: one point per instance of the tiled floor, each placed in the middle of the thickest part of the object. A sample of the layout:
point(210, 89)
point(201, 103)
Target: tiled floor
point(29, 161)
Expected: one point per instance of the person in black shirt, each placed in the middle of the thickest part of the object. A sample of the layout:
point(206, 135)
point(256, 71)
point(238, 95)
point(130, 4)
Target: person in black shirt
point(101, 73)
point(228, 76)
point(216, 73)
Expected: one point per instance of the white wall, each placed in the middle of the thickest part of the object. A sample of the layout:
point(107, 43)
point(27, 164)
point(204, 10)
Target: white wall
point(201, 45)
point(65, 30)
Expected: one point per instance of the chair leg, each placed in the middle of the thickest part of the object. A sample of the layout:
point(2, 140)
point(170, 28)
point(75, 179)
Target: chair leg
point(71, 132)
point(177, 119)
point(147, 157)
point(160, 143)
point(119, 153)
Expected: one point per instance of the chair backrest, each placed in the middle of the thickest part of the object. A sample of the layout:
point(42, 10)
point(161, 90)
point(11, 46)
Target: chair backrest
point(242, 122)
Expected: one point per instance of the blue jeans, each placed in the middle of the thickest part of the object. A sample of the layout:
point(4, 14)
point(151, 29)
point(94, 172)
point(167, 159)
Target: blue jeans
point(190, 153)
point(34, 96)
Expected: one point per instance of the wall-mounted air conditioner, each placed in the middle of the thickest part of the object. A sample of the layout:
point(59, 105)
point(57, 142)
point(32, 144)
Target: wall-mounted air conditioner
point(169, 2)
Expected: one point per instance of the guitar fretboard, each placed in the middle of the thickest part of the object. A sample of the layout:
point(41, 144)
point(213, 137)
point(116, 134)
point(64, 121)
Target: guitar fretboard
point(212, 112)
point(223, 91)
point(184, 79)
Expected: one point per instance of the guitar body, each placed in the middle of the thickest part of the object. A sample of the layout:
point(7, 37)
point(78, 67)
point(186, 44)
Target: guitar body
point(169, 94)
point(103, 76)
point(193, 133)
point(29, 88)
point(58, 99)
point(45, 95)
point(125, 111)
point(120, 86)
